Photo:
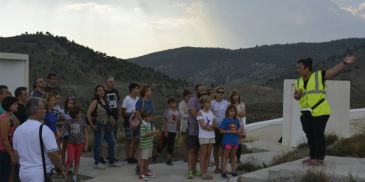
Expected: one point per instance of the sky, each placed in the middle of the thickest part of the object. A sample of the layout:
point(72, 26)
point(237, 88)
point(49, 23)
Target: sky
point(132, 28)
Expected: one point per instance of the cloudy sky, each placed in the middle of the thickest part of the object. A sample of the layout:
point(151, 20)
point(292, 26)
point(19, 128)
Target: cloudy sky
point(130, 28)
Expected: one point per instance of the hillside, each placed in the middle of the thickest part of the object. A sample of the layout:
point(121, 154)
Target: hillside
point(80, 68)
point(258, 72)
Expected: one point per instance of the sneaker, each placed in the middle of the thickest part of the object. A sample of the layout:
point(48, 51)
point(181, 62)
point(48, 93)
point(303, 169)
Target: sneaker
point(169, 163)
point(197, 173)
point(306, 161)
point(102, 160)
point(114, 165)
point(206, 177)
point(74, 179)
point(190, 175)
point(234, 174)
point(142, 178)
point(116, 160)
point(224, 175)
point(150, 174)
point(99, 166)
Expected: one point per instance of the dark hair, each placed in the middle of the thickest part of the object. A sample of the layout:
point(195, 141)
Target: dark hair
point(74, 111)
point(7, 102)
point(96, 89)
point(144, 90)
point(306, 62)
point(66, 103)
point(35, 81)
point(3, 87)
point(133, 86)
point(19, 90)
point(51, 75)
point(197, 86)
point(233, 93)
point(171, 100)
point(209, 91)
point(186, 93)
point(145, 114)
point(231, 106)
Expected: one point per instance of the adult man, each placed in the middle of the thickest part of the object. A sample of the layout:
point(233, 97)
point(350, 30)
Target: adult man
point(193, 130)
point(311, 93)
point(113, 98)
point(27, 144)
point(21, 94)
point(38, 87)
point(132, 136)
point(4, 92)
point(52, 84)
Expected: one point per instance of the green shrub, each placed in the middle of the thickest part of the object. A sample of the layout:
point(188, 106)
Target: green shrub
point(315, 176)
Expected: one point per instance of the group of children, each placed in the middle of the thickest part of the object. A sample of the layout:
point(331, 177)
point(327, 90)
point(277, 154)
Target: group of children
point(230, 126)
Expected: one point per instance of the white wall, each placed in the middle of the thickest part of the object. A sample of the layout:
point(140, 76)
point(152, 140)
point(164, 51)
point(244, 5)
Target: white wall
point(338, 96)
point(14, 70)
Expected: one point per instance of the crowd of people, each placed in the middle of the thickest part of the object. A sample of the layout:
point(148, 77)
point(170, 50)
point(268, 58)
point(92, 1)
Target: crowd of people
point(41, 136)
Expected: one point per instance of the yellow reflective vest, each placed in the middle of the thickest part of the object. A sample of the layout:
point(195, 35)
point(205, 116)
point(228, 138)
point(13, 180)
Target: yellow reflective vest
point(313, 94)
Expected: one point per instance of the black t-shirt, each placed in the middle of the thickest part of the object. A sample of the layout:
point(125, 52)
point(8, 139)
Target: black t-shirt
point(21, 114)
point(323, 79)
point(52, 89)
point(113, 99)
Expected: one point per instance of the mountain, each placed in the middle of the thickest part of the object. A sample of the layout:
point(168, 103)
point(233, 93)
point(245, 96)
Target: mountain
point(80, 68)
point(259, 72)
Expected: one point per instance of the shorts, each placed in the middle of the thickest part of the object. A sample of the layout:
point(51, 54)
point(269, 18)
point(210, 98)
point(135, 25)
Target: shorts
point(130, 134)
point(203, 141)
point(146, 153)
point(229, 147)
point(218, 137)
point(192, 142)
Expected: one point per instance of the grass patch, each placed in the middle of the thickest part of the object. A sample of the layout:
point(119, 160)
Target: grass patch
point(353, 147)
point(250, 165)
point(289, 156)
point(315, 176)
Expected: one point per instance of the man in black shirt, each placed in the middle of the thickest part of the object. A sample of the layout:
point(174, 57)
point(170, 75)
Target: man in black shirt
point(52, 84)
point(21, 93)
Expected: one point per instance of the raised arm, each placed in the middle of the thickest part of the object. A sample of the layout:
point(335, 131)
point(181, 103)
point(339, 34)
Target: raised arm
point(330, 73)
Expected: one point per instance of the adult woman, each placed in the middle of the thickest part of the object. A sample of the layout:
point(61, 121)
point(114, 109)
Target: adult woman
point(8, 124)
point(100, 119)
point(235, 99)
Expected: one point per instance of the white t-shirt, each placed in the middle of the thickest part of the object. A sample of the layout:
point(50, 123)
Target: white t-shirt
point(26, 143)
point(184, 116)
point(219, 110)
point(207, 117)
point(130, 104)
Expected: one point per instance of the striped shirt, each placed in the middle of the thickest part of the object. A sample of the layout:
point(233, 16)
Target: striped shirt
point(146, 142)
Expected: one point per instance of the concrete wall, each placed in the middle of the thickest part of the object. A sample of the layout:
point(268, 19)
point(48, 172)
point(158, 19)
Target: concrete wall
point(14, 70)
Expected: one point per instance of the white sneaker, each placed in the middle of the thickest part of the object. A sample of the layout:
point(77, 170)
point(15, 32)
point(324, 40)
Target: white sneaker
point(74, 179)
point(99, 166)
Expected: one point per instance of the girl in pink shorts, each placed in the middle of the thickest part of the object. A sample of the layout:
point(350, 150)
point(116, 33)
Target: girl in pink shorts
point(230, 128)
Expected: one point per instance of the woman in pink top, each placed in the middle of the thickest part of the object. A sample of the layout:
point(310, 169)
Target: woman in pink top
point(8, 124)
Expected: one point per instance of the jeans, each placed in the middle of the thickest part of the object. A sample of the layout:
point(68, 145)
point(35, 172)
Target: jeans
point(5, 166)
point(103, 132)
point(314, 128)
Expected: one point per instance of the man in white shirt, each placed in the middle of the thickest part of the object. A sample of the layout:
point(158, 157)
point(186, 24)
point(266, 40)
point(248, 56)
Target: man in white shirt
point(26, 143)
point(132, 137)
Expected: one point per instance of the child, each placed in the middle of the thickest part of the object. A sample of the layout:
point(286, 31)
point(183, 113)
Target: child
point(170, 127)
point(77, 139)
point(146, 145)
point(231, 129)
point(206, 134)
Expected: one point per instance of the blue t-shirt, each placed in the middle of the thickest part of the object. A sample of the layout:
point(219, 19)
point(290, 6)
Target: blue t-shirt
point(1, 109)
point(147, 106)
point(51, 121)
point(230, 124)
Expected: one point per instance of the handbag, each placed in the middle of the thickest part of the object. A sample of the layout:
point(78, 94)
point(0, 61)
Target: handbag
point(134, 120)
point(47, 177)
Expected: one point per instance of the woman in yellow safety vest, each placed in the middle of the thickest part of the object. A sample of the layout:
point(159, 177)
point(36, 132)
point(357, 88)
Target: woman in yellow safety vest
point(310, 91)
